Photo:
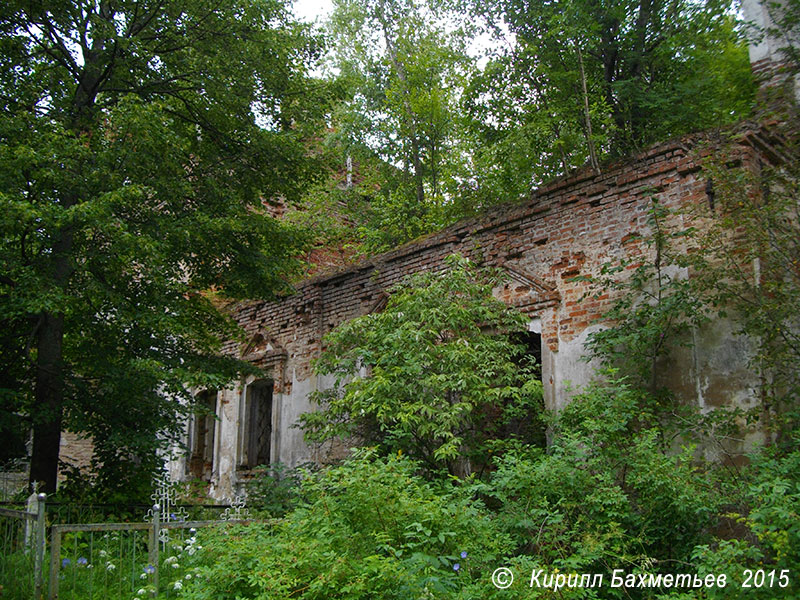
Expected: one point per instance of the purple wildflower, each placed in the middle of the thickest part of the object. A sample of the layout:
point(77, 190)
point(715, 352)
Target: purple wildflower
point(456, 567)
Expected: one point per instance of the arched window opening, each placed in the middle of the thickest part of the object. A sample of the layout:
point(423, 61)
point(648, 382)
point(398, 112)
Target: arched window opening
point(258, 424)
point(203, 424)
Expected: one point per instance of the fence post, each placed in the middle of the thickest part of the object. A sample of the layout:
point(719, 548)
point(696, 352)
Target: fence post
point(38, 557)
point(55, 562)
point(30, 528)
point(154, 535)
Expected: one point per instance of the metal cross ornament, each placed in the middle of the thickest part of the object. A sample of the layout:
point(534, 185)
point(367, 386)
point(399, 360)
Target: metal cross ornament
point(166, 496)
point(237, 511)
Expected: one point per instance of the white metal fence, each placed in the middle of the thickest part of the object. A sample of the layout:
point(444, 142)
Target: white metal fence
point(96, 560)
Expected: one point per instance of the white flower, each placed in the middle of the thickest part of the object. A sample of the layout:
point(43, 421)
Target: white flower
point(177, 585)
point(110, 566)
point(143, 576)
point(188, 576)
point(103, 553)
point(176, 565)
point(191, 550)
point(141, 592)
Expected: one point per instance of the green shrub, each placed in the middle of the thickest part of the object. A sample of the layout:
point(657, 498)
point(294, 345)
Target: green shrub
point(370, 528)
point(766, 532)
point(274, 489)
point(441, 376)
point(604, 495)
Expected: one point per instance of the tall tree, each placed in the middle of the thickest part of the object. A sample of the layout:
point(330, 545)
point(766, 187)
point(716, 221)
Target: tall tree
point(405, 74)
point(588, 79)
point(138, 140)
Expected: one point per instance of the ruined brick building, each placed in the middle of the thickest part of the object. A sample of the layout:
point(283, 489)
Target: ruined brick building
point(567, 228)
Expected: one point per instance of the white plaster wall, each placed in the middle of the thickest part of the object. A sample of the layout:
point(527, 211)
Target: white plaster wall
point(570, 371)
point(223, 478)
point(762, 46)
point(725, 377)
point(292, 449)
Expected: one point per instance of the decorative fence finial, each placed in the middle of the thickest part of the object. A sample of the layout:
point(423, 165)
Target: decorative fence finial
point(166, 497)
point(238, 510)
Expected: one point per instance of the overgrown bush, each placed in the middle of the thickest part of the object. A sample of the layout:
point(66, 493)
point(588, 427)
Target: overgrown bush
point(604, 495)
point(765, 532)
point(370, 528)
point(274, 489)
point(435, 375)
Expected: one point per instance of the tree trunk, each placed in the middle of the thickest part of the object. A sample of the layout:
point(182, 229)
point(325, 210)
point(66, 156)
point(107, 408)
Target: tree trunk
point(48, 402)
point(49, 389)
point(587, 114)
point(410, 116)
point(48, 405)
point(418, 178)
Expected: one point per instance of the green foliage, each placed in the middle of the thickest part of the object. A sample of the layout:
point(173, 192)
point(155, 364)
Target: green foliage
point(115, 565)
point(126, 480)
point(138, 142)
point(605, 495)
point(274, 490)
point(768, 535)
point(655, 304)
point(435, 375)
point(560, 85)
point(369, 528)
point(16, 562)
point(375, 212)
point(582, 81)
point(404, 70)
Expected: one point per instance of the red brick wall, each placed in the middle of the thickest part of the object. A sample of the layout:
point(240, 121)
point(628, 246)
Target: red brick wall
point(569, 227)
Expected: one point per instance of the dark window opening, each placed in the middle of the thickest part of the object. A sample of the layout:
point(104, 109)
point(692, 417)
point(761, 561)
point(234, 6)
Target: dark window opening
point(532, 344)
point(259, 423)
point(201, 460)
point(710, 194)
point(527, 424)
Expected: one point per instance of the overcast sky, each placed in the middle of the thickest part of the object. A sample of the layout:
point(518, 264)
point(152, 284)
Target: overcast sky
point(313, 10)
point(309, 10)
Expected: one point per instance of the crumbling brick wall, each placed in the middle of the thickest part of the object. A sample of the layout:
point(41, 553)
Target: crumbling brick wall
point(567, 228)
